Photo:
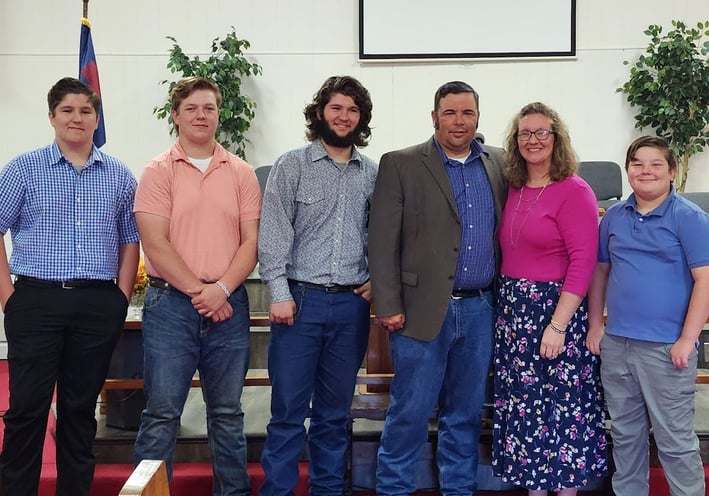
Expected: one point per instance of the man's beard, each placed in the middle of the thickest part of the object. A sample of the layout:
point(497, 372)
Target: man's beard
point(331, 138)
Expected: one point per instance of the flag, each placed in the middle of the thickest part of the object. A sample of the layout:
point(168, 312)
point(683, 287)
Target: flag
point(88, 73)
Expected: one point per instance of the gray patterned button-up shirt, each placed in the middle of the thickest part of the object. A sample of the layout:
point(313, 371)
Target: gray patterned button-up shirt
point(314, 220)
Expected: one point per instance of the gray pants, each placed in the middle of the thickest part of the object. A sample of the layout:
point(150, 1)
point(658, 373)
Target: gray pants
point(643, 389)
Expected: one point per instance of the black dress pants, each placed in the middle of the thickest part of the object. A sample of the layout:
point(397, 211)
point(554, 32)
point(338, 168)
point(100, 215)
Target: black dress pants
point(62, 337)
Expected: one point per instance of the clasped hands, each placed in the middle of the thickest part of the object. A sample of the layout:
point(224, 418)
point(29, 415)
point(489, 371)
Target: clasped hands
point(211, 302)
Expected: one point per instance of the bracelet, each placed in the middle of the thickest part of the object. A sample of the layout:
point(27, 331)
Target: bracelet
point(223, 287)
point(556, 327)
point(559, 326)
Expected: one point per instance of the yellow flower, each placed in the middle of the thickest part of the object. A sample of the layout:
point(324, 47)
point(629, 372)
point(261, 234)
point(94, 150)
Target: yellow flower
point(141, 279)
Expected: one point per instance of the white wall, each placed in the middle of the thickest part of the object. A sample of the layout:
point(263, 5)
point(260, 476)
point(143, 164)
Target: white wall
point(299, 44)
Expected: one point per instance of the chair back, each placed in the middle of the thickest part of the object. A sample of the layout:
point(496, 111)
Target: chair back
point(700, 198)
point(605, 179)
point(262, 176)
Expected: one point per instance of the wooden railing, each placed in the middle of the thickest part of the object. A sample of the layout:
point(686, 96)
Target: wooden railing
point(378, 375)
point(149, 478)
point(375, 379)
point(250, 380)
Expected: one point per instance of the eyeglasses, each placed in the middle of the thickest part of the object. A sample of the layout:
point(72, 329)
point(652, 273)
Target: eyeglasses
point(540, 134)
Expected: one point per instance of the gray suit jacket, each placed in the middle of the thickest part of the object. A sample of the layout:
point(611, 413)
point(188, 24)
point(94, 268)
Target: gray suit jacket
point(415, 234)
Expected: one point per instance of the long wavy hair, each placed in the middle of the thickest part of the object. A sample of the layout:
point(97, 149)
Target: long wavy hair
point(348, 86)
point(563, 159)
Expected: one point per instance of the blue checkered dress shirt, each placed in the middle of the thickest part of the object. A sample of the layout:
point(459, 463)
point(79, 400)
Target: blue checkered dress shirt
point(476, 210)
point(66, 224)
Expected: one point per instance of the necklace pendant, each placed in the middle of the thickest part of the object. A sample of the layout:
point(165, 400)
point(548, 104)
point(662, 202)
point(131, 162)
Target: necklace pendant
point(514, 239)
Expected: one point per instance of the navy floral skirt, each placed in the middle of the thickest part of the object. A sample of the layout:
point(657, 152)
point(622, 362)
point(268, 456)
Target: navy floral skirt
point(549, 422)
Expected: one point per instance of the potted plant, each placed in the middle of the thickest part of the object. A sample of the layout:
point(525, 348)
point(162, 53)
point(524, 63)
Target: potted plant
point(669, 86)
point(226, 66)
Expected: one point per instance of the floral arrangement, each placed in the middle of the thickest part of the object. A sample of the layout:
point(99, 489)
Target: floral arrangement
point(140, 286)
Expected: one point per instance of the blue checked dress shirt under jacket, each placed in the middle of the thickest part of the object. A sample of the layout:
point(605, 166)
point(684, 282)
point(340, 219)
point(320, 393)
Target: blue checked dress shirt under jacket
point(476, 211)
point(314, 220)
point(66, 224)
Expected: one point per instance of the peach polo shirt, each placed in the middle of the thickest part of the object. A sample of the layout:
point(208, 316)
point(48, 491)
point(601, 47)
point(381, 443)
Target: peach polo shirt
point(204, 210)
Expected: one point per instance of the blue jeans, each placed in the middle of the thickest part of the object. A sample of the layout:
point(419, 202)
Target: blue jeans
point(450, 371)
point(177, 342)
point(315, 360)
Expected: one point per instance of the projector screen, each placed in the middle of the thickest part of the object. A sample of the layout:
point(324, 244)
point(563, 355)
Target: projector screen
point(427, 29)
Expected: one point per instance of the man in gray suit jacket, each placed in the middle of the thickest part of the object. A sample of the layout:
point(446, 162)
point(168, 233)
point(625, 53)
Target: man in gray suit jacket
point(433, 259)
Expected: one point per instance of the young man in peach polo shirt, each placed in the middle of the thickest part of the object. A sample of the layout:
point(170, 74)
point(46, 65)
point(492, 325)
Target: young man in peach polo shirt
point(197, 208)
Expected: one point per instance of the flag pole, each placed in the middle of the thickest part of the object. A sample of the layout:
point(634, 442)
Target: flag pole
point(88, 72)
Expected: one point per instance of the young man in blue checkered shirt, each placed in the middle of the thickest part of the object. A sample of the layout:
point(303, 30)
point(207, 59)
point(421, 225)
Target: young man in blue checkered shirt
point(69, 208)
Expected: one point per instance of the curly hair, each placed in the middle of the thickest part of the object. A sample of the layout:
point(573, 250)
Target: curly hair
point(563, 159)
point(344, 85)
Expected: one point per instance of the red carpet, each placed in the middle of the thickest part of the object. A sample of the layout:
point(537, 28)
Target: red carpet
point(195, 479)
point(189, 479)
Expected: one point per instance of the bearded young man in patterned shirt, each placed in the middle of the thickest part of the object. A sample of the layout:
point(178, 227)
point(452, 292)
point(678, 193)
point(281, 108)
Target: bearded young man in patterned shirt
point(313, 255)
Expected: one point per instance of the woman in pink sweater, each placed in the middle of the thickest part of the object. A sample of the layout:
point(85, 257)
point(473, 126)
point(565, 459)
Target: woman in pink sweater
point(549, 423)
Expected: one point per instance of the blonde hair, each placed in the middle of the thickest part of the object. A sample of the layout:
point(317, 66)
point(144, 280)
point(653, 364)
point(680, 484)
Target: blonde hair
point(185, 87)
point(563, 159)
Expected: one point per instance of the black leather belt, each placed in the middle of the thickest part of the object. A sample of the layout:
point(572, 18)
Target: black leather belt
point(70, 284)
point(330, 288)
point(468, 293)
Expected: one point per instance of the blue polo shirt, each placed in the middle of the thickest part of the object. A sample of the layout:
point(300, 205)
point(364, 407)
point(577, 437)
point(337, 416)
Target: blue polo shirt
point(651, 256)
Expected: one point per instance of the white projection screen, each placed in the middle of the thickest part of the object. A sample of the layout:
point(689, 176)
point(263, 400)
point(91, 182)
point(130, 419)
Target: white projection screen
point(435, 29)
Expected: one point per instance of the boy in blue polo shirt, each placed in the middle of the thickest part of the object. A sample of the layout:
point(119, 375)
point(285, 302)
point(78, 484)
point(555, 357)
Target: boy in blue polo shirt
point(653, 266)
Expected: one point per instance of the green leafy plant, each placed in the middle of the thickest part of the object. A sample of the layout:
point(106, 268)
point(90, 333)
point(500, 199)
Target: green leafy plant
point(669, 85)
point(226, 66)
